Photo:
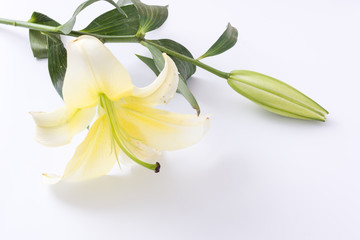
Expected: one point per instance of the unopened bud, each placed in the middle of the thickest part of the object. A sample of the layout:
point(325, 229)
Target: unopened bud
point(275, 96)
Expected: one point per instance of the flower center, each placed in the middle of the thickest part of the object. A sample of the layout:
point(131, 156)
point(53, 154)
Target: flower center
point(119, 136)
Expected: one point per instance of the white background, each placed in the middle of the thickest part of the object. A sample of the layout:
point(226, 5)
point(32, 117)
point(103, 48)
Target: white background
point(255, 175)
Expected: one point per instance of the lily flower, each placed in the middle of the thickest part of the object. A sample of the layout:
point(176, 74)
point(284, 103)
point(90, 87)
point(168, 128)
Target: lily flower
point(97, 84)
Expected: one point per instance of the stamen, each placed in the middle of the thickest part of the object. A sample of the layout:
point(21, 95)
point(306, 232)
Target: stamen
point(157, 169)
point(119, 135)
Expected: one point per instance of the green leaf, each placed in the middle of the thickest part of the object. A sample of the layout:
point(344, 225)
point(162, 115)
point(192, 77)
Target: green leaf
point(226, 41)
point(123, 2)
point(38, 41)
point(157, 56)
point(38, 44)
point(150, 63)
point(186, 69)
point(68, 26)
point(112, 23)
point(185, 91)
point(157, 64)
point(57, 62)
point(151, 16)
point(49, 45)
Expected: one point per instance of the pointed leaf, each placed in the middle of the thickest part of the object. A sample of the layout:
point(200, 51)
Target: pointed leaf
point(157, 64)
point(186, 69)
point(112, 23)
point(49, 45)
point(157, 56)
point(57, 61)
point(38, 41)
point(226, 41)
point(151, 16)
point(150, 63)
point(185, 91)
point(68, 26)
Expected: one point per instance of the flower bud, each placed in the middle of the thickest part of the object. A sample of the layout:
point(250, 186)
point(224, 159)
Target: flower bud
point(275, 96)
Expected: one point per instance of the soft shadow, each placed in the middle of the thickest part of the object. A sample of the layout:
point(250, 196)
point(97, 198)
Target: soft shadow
point(243, 108)
point(111, 191)
point(141, 188)
point(12, 34)
point(281, 120)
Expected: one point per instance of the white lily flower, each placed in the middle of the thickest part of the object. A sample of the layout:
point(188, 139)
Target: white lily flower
point(127, 121)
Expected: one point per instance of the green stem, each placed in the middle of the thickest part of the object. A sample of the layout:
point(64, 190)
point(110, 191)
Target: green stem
point(34, 26)
point(51, 29)
point(188, 59)
point(113, 39)
point(108, 39)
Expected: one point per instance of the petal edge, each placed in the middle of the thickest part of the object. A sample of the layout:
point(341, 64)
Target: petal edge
point(57, 128)
point(162, 90)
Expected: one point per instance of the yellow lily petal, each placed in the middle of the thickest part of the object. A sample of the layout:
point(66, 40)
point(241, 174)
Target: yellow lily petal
point(58, 127)
point(92, 69)
point(140, 150)
point(94, 157)
point(162, 90)
point(159, 129)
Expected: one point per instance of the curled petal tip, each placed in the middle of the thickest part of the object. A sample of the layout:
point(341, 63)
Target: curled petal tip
point(35, 113)
point(50, 178)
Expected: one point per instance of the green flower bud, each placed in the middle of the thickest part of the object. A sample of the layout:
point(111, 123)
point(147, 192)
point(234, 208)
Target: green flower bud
point(275, 96)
